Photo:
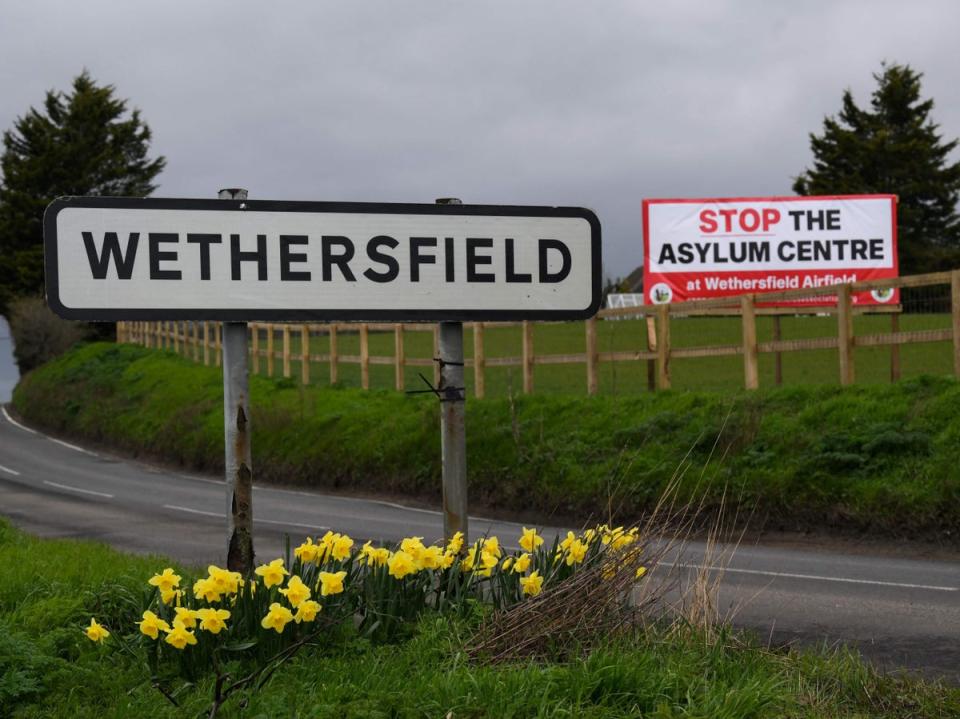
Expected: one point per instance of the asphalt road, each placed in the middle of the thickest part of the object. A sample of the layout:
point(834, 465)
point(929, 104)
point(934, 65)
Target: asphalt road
point(900, 612)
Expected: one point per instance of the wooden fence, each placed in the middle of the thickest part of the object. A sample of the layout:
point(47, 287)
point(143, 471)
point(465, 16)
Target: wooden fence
point(201, 340)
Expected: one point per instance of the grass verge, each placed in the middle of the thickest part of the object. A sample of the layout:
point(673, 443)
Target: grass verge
point(878, 459)
point(50, 588)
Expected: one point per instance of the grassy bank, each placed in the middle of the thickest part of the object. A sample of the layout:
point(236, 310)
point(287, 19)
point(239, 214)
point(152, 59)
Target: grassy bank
point(48, 668)
point(879, 459)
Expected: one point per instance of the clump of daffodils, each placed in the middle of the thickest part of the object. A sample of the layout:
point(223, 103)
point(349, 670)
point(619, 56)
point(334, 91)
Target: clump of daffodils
point(333, 579)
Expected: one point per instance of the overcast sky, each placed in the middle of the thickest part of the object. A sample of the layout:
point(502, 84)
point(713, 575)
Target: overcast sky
point(596, 104)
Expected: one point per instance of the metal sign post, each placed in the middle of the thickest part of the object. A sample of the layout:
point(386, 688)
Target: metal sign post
point(453, 435)
point(236, 437)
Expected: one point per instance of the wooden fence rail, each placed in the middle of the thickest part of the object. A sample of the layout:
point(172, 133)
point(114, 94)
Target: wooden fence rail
point(201, 341)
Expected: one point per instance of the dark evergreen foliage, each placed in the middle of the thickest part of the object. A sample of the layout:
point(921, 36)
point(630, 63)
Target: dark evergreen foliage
point(894, 147)
point(84, 142)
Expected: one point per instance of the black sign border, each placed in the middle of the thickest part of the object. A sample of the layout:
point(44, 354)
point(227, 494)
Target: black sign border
point(272, 315)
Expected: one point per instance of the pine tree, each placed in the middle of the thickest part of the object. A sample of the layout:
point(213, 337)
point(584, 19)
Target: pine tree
point(80, 143)
point(894, 147)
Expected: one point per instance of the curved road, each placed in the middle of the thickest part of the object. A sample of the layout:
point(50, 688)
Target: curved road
point(899, 612)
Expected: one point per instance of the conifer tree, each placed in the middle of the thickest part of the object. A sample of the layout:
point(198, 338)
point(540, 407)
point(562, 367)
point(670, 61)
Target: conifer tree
point(894, 147)
point(84, 142)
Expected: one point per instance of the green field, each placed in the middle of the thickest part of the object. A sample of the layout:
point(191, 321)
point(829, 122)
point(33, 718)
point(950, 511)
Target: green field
point(50, 670)
point(714, 373)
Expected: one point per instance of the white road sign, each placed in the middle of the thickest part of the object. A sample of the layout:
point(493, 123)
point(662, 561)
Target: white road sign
point(151, 259)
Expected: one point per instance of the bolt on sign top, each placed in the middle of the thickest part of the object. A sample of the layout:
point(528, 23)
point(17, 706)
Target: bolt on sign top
point(109, 258)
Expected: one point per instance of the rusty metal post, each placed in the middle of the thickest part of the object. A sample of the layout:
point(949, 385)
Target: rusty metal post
point(453, 437)
point(236, 431)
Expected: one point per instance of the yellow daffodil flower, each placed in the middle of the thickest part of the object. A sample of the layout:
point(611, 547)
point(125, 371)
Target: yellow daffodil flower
point(225, 581)
point(165, 581)
point(96, 632)
point(522, 563)
point(491, 545)
point(507, 563)
point(277, 618)
point(169, 595)
point(307, 552)
point(414, 547)
point(530, 540)
point(331, 583)
point(401, 564)
point(179, 637)
point(432, 557)
point(206, 590)
point(576, 552)
point(187, 617)
point(532, 585)
point(307, 611)
point(152, 624)
point(272, 573)
point(374, 556)
point(456, 543)
point(296, 591)
point(446, 561)
point(213, 620)
point(340, 548)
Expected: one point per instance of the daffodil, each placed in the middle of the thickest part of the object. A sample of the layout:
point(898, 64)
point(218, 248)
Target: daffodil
point(170, 595)
point(331, 583)
point(165, 581)
point(277, 618)
point(272, 573)
point(570, 539)
point(401, 564)
point(179, 637)
point(296, 591)
point(95, 632)
point(532, 585)
point(446, 561)
point(530, 540)
point(414, 547)
point(307, 552)
point(206, 589)
point(456, 543)
point(507, 563)
point(521, 564)
point(307, 611)
point(213, 620)
point(340, 548)
point(152, 625)
point(187, 617)
point(491, 545)
point(576, 552)
point(431, 557)
point(374, 556)
point(225, 581)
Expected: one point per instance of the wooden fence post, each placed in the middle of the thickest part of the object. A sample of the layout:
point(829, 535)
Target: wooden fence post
point(269, 350)
point(751, 379)
point(364, 356)
point(592, 356)
point(176, 337)
point(255, 347)
point(663, 347)
point(286, 350)
point(398, 357)
point(845, 334)
point(651, 346)
point(479, 362)
point(895, 349)
point(527, 357)
point(304, 355)
point(217, 342)
point(195, 340)
point(334, 369)
point(955, 312)
point(206, 344)
point(778, 355)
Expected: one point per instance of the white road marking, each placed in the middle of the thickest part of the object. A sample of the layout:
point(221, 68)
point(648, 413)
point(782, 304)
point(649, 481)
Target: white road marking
point(820, 578)
point(77, 489)
point(14, 422)
point(14, 472)
point(256, 520)
point(74, 447)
